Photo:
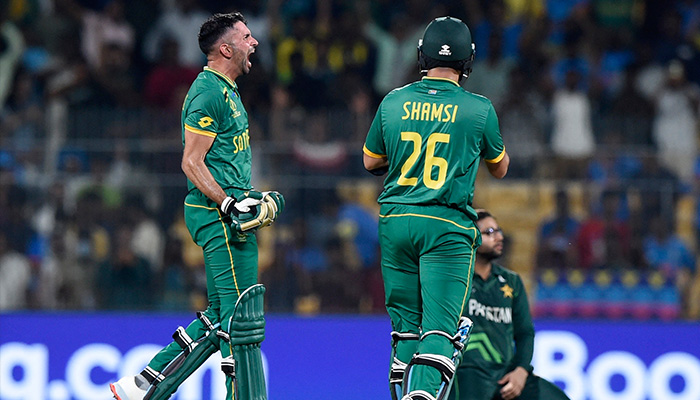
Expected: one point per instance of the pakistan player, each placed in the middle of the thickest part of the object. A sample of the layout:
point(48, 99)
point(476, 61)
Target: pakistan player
point(496, 362)
point(429, 137)
point(221, 212)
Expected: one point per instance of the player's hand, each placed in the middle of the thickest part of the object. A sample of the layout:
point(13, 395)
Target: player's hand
point(513, 383)
point(247, 212)
point(274, 201)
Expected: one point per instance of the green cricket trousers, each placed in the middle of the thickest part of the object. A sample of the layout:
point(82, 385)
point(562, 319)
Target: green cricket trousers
point(231, 265)
point(428, 257)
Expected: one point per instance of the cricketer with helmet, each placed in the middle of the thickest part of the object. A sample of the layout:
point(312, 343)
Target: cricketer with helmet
point(428, 137)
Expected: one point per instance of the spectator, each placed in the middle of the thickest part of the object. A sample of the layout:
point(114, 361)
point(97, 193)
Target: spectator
point(306, 89)
point(666, 252)
point(308, 262)
point(15, 276)
point(50, 212)
point(115, 77)
point(669, 39)
point(168, 78)
point(615, 164)
point(147, 238)
point(180, 22)
point(572, 63)
point(22, 118)
point(557, 236)
point(69, 78)
point(497, 24)
point(13, 217)
point(524, 123)
point(651, 75)
point(572, 141)
point(608, 61)
point(302, 42)
point(396, 52)
point(88, 244)
point(491, 75)
point(658, 186)
point(603, 238)
point(125, 278)
point(349, 53)
point(675, 128)
point(281, 275)
point(177, 280)
point(107, 26)
point(630, 112)
point(55, 287)
point(358, 225)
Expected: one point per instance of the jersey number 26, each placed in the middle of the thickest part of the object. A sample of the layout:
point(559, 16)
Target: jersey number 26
point(431, 160)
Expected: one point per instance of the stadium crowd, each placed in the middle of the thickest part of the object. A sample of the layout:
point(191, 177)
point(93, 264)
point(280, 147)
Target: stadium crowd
point(603, 93)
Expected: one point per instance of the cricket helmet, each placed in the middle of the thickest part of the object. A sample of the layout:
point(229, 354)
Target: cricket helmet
point(446, 42)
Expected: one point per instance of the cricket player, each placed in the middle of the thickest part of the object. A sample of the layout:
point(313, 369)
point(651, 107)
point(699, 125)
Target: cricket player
point(222, 212)
point(496, 363)
point(429, 138)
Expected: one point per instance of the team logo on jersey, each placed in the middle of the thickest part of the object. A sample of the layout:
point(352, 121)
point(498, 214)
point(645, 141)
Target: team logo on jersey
point(507, 291)
point(235, 113)
point(205, 121)
point(445, 51)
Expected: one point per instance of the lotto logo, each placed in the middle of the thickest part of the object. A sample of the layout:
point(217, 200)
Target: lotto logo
point(205, 121)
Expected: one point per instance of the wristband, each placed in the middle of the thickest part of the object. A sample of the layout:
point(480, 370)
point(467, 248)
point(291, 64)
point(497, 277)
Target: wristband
point(227, 204)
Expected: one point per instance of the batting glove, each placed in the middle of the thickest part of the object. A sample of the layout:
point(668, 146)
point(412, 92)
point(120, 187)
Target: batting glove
point(274, 201)
point(247, 212)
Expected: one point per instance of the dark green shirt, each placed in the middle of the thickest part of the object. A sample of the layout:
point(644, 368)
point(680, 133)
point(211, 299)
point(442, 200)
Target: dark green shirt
point(434, 134)
point(503, 334)
point(213, 108)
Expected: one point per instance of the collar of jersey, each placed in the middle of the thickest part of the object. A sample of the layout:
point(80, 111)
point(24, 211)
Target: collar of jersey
point(437, 79)
point(222, 76)
point(496, 271)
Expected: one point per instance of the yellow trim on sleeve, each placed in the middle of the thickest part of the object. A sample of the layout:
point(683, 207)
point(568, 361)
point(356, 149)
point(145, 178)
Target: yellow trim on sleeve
point(499, 158)
point(200, 131)
point(371, 154)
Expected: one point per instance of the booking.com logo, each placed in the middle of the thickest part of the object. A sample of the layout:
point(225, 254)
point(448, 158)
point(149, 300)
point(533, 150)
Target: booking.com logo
point(24, 373)
point(614, 375)
point(560, 356)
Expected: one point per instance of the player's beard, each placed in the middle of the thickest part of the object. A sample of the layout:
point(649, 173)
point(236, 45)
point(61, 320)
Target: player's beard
point(244, 58)
point(490, 255)
point(245, 67)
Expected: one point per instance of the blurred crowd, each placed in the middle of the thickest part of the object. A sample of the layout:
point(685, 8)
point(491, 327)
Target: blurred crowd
point(601, 92)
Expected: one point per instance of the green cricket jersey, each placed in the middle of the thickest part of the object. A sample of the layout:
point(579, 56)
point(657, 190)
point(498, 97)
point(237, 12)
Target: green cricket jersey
point(434, 134)
point(500, 311)
point(213, 108)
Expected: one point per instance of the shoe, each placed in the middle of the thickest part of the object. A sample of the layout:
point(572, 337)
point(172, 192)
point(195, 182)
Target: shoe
point(126, 389)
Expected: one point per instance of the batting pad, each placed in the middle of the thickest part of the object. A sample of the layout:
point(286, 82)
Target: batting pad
point(247, 331)
point(183, 366)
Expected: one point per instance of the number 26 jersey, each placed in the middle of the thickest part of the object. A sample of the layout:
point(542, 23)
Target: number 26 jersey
point(434, 134)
